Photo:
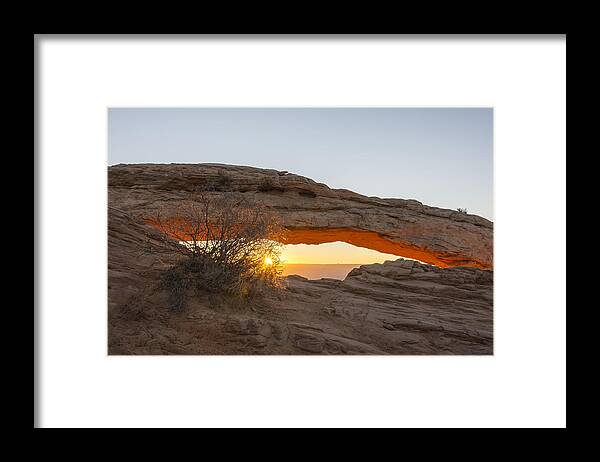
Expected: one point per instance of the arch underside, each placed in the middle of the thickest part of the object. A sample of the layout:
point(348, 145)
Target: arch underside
point(371, 240)
point(374, 241)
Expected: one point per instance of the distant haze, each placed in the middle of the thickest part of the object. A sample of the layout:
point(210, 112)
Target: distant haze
point(442, 157)
point(332, 253)
point(330, 260)
point(315, 271)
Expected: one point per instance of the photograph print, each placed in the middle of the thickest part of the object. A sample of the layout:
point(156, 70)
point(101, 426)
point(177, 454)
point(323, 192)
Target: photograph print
point(300, 231)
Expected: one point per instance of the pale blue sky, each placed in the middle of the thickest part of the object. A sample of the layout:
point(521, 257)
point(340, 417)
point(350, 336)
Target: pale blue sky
point(439, 156)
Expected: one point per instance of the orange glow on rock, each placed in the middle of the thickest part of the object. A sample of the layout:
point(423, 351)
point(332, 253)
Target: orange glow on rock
point(366, 239)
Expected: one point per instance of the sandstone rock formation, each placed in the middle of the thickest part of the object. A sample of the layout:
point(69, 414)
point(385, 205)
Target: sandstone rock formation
point(314, 213)
point(399, 307)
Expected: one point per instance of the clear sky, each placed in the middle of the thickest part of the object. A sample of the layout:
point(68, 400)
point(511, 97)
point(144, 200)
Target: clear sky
point(439, 156)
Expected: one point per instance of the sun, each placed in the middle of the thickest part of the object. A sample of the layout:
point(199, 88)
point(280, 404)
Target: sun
point(268, 261)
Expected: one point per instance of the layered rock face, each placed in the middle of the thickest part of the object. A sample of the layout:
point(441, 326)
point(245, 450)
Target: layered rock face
point(313, 213)
point(399, 307)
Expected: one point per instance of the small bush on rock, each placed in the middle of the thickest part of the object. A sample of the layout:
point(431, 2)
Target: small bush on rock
point(226, 245)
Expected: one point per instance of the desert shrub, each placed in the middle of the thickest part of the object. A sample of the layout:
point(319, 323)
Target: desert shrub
point(176, 282)
point(226, 244)
point(460, 210)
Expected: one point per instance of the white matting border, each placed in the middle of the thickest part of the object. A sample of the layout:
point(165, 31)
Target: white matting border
point(523, 384)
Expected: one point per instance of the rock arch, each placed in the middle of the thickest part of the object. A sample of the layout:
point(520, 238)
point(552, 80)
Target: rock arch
point(313, 213)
